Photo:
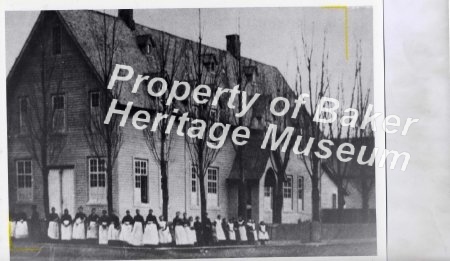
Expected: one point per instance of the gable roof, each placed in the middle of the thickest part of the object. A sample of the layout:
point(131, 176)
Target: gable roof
point(86, 28)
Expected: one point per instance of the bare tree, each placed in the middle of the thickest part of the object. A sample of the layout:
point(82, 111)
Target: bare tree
point(344, 172)
point(105, 140)
point(317, 84)
point(43, 127)
point(203, 66)
point(167, 56)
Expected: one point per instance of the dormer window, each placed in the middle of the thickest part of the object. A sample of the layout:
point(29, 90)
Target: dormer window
point(210, 62)
point(146, 43)
point(250, 72)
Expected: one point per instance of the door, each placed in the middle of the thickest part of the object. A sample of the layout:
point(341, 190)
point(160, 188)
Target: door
point(61, 190)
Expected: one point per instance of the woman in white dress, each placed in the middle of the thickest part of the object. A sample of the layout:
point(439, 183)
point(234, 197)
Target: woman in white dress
point(92, 229)
point(12, 224)
point(138, 230)
point(180, 233)
point(252, 233)
point(263, 235)
point(151, 230)
point(220, 235)
point(187, 229)
point(79, 231)
point(103, 227)
point(53, 225)
point(164, 232)
point(114, 228)
point(66, 225)
point(231, 233)
point(192, 236)
point(127, 227)
point(21, 226)
point(242, 230)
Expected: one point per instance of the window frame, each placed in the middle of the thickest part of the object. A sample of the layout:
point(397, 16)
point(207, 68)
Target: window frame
point(136, 175)
point(63, 112)
point(25, 174)
point(194, 184)
point(301, 192)
point(289, 189)
point(22, 121)
point(97, 173)
point(216, 181)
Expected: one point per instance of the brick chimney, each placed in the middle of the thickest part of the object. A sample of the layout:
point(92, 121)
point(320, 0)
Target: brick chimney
point(127, 16)
point(234, 45)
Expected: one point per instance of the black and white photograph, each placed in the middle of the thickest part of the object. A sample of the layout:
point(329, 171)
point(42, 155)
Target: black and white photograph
point(199, 132)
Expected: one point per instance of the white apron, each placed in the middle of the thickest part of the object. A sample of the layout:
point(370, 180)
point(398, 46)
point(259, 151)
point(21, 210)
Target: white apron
point(66, 230)
point(21, 229)
point(242, 231)
point(78, 229)
point(231, 233)
point(103, 234)
point(262, 233)
point(113, 233)
point(253, 231)
point(53, 230)
point(219, 231)
point(164, 233)
point(92, 231)
point(125, 232)
point(12, 225)
point(180, 235)
point(136, 234)
point(150, 234)
point(192, 236)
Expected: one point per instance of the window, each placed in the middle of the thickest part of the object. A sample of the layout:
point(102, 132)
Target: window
point(140, 181)
point(23, 114)
point(56, 37)
point(194, 186)
point(287, 193)
point(301, 193)
point(268, 198)
point(24, 180)
point(334, 200)
point(212, 187)
point(210, 61)
point(59, 114)
point(97, 180)
point(95, 100)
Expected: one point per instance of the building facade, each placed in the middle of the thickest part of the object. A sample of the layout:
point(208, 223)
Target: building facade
point(57, 68)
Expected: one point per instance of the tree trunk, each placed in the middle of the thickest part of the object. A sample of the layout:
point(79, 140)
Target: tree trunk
point(165, 189)
point(277, 207)
point(315, 194)
point(109, 187)
point(242, 200)
point(201, 180)
point(341, 203)
point(45, 196)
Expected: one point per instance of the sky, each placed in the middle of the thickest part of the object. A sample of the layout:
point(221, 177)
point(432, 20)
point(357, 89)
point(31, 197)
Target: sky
point(269, 35)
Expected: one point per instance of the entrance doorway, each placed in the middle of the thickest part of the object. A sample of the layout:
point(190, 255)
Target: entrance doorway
point(61, 190)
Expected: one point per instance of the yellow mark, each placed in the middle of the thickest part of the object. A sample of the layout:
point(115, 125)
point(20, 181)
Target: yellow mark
point(25, 249)
point(10, 235)
point(342, 7)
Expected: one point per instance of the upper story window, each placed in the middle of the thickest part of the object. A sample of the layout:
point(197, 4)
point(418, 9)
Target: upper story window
point(24, 180)
point(95, 100)
point(250, 72)
point(56, 39)
point(146, 43)
point(23, 114)
point(287, 193)
point(210, 62)
point(59, 112)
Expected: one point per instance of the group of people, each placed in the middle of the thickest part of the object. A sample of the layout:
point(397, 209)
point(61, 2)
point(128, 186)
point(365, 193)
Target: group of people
point(108, 228)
